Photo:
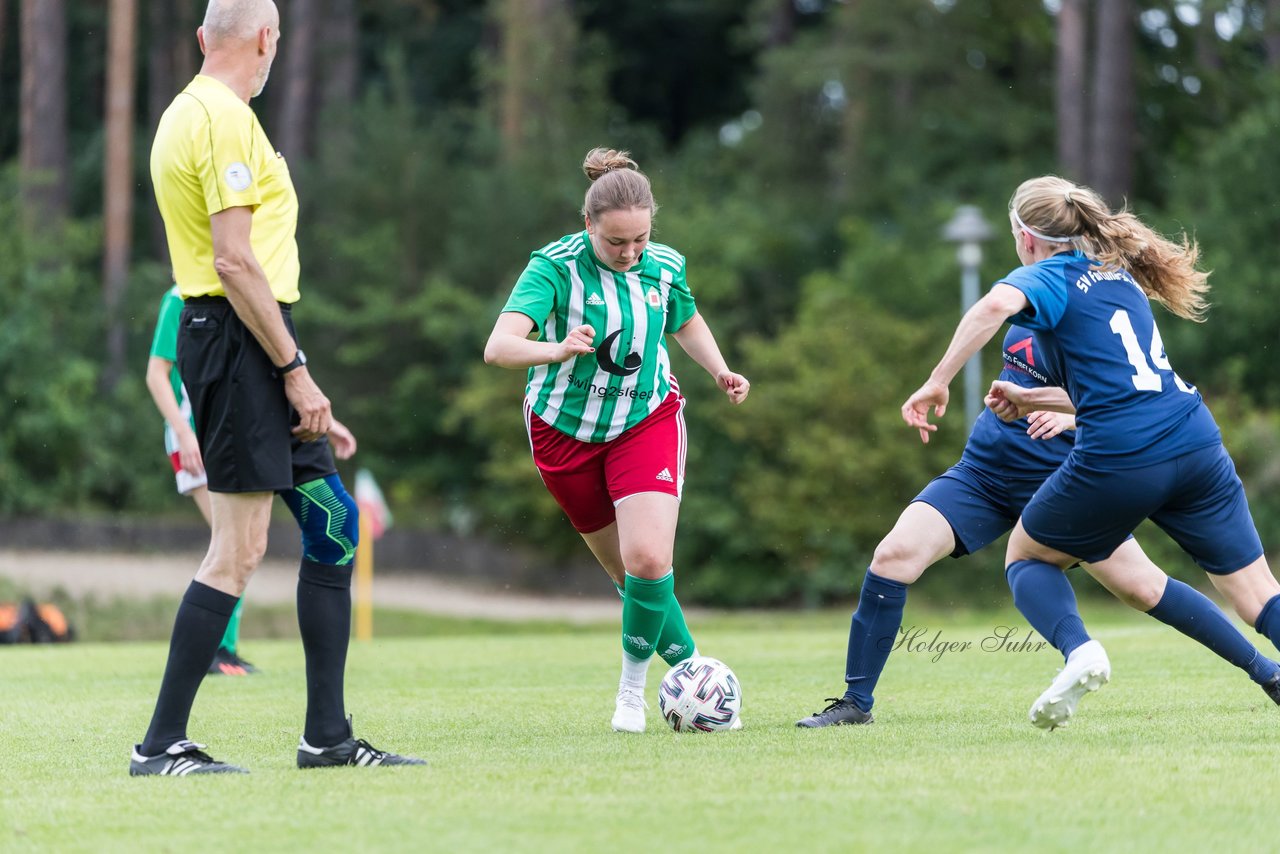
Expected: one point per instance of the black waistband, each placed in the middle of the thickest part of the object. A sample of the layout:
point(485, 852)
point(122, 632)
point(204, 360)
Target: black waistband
point(225, 303)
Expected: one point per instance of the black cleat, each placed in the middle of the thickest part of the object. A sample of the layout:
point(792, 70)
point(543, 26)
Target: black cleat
point(181, 759)
point(1273, 689)
point(229, 664)
point(353, 751)
point(841, 712)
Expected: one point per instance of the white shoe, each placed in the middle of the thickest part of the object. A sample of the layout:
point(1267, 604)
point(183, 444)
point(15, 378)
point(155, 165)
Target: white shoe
point(737, 724)
point(1087, 669)
point(628, 716)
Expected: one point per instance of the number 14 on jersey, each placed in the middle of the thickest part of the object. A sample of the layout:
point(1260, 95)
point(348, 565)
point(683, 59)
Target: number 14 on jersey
point(1145, 378)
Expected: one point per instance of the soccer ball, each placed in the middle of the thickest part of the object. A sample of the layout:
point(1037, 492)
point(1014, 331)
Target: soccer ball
point(700, 694)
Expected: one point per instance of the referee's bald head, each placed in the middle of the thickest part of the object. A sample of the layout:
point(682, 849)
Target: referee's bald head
point(229, 21)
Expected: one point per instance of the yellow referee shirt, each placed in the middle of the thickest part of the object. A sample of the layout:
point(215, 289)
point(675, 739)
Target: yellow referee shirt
point(211, 154)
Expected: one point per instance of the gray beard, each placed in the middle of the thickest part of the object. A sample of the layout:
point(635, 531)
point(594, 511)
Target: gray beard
point(263, 84)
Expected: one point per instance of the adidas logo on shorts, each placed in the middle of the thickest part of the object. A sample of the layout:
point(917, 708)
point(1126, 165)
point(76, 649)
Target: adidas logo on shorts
point(594, 299)
point(665, 474)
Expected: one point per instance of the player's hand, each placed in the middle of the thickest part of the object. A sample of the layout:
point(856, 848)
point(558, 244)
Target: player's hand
point(314, 413)
point(916, 410)
point(342, 440)
point(189, 453)
point(1007, 400)
point(576, 343)
point(734, 385)
point(1003, 409)
point(1046, 425)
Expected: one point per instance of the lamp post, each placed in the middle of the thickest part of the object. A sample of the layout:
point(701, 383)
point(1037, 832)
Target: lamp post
point(968, 229)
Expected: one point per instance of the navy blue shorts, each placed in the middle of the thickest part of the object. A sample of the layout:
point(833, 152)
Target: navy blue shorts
point(1196, 498)
point(979, 507)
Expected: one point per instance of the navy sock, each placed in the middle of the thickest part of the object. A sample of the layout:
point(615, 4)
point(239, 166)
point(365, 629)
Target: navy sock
point(1268, 622)
point(324, 619)
point(1192, 613)
point(872, 633)
point(197, 631)
point(1044, 596)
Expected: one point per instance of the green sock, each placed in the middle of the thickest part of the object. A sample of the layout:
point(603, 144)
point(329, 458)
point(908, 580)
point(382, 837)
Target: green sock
point(644, 610)
point(675, 644)
point(231, 638)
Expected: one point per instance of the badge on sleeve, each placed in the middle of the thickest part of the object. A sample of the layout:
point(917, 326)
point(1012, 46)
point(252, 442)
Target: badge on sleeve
point(238, 177)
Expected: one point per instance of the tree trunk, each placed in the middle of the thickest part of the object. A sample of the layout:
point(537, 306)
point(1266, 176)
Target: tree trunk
point(1111, 156)
point(341, 39)
point(536, 40)
point(1071, 87)
point(1271, 30)
point(117, 178)
point(846, 166)
point(42, 142)
point(4, 37)
point(162, 86)
point(294, 135)
point(782, 24)
point(182, 38)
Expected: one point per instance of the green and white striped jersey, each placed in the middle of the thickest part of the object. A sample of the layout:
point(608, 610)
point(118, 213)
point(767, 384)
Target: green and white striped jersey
point(596, 396)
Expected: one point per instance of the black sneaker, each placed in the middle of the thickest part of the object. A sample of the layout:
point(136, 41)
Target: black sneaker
point(841, 712)
point(229, 664)
point(245, 666)
point(181, 759)
point(1273, 689)
point(353, 751)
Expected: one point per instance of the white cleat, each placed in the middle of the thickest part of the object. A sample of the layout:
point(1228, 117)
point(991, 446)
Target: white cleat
point(737, 724)
point(628, 716)
point(1087, 669)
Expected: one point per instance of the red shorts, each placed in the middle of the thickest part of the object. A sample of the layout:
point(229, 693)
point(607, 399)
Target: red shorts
point(590, 479)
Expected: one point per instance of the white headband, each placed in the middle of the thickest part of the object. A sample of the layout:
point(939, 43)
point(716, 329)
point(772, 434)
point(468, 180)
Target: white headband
point(1029, 230)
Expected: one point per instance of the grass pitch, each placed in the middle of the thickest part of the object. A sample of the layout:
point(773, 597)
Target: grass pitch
point(1178, 753)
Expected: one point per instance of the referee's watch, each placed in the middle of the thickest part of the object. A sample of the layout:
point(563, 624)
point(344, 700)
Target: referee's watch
point(299, 360)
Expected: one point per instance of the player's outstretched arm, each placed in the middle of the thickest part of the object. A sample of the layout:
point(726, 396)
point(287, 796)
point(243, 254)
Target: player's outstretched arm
point(509, 345)
point(695, 338)
point(250, 294)
point(976, 328)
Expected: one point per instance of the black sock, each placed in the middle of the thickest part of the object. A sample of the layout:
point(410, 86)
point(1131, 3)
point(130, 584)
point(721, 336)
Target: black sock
point(324, 618)
point(197, 631)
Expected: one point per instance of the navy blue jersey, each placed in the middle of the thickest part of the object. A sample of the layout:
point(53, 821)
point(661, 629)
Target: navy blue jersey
point(1132, 410)
point(1005, 450)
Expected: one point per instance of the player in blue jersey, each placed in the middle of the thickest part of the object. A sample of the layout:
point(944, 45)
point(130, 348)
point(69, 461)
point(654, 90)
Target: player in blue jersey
point(978, 500)
point(1147, 446)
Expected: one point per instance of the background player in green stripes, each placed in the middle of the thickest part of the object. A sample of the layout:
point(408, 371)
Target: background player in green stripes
point(604, 412)
point(180, 443)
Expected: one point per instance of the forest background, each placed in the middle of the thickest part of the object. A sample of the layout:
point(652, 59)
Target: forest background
point(805, 154)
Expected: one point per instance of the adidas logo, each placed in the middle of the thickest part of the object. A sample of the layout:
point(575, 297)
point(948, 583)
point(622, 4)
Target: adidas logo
point(637, 641)
point(594, 299)
point(674, 649)
point(665, 474)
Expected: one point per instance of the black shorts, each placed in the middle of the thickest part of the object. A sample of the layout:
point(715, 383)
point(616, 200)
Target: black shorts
point(243, 419)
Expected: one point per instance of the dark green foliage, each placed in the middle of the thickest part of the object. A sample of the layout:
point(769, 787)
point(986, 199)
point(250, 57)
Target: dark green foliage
point(805, 178)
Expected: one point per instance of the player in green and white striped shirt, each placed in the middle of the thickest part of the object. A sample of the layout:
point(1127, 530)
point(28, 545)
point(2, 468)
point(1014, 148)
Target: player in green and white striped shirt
point(604, 412)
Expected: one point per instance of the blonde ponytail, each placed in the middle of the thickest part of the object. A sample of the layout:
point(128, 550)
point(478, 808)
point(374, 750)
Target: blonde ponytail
point(1164, 268)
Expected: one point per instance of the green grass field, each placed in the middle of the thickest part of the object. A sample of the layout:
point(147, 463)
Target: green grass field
point(1176, 754)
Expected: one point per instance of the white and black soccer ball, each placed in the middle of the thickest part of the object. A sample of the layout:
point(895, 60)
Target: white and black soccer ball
point(700, 694)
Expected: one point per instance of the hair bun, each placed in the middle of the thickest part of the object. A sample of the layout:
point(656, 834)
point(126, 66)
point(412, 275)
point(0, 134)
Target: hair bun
point(601, 161)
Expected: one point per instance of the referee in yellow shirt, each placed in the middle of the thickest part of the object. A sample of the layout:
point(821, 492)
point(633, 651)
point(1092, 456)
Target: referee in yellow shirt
point(230, 214)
